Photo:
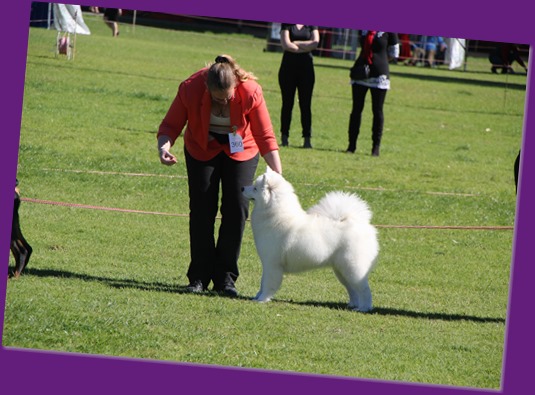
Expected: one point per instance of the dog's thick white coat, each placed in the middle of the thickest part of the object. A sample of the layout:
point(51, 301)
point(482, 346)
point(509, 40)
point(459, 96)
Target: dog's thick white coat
point(336, 232)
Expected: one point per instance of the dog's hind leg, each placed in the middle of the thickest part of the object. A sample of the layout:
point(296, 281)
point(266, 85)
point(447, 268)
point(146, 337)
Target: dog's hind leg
point(20, 248)
point(270, 283)
point(21, 251)
point(358, 289)
point(353, 296)
point(364, 301)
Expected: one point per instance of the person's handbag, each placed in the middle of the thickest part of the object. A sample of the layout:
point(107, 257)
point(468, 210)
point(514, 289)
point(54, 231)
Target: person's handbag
point(360, 71)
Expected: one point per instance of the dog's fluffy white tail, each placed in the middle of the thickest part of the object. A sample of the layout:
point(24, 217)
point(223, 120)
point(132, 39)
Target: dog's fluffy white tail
point(342, 206)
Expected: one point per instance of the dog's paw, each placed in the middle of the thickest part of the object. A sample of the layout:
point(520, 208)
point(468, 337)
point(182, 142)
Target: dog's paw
point(362, 309)
point(261, 299)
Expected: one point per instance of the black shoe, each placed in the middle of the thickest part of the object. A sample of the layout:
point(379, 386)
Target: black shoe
point(307, 143)
point(227, 290)
point(284, 141)
point(195, 287)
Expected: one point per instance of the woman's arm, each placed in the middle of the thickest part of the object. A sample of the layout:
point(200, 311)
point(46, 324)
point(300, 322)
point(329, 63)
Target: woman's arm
point(286, 43)
point(170, 128)
point(273, 160)
point(164, 145)
point(309, 45)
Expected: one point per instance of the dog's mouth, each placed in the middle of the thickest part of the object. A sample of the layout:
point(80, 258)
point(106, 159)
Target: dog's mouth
point(245, 194)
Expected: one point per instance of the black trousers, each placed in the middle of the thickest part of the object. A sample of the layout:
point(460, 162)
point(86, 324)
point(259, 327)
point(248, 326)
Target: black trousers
point(296, 73)
point(378, 99)
point(211, 259)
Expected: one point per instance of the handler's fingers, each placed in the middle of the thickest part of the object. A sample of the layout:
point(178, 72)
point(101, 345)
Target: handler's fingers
point(167, 158)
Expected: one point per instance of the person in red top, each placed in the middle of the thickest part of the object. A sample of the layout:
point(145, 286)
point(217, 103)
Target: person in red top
point(227, 127)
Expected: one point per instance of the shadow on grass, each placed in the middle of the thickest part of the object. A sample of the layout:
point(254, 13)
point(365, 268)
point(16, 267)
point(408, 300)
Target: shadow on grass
point(388, 311)
point(158, 286)
point(436, 316)
point(120, 283)
point(112, 282)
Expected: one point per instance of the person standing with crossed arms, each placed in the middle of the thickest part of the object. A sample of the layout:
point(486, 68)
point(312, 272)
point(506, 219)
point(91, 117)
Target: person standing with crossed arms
point(296, 73)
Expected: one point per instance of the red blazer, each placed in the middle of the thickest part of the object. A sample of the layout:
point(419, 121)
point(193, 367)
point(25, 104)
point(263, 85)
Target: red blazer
point(249, 117)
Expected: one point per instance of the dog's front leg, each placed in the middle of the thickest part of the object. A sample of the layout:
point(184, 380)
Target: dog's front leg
point(270, 283)
point(20, 248)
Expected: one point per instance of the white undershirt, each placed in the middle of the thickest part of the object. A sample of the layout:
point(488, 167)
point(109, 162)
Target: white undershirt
point(220, 125)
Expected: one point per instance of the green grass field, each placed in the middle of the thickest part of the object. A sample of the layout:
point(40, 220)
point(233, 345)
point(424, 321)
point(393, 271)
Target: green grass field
point(112, 282)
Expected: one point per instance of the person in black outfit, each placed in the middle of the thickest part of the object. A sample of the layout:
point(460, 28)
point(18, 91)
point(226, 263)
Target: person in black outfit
point(297, 73)
point(377, 49)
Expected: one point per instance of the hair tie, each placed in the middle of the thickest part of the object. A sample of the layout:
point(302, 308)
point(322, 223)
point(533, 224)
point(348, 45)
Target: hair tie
point(221, 59)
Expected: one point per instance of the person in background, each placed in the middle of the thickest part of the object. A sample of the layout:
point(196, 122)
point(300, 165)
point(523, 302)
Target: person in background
point(227, 126)
point(111, 18)
point(377, 49)
point(426, 48)
point(435, 46)
point(405, 47)
point(296, 72)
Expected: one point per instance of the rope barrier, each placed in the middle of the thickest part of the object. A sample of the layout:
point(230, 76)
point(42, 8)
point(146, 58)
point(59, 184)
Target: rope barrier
point(92, 207)
point(446, 227)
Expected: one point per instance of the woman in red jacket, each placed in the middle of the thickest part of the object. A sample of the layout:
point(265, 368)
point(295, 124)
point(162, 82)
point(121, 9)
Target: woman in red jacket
point(227, 126)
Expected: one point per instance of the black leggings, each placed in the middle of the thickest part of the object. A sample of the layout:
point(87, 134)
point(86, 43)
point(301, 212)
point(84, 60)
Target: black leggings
point(213, 260)
point(378, 100)
point(297, 73)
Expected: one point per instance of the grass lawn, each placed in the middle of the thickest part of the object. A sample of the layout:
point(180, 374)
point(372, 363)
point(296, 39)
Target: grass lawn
point(111, 282)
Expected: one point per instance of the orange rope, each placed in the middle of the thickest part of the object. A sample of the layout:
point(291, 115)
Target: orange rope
point(91, 207)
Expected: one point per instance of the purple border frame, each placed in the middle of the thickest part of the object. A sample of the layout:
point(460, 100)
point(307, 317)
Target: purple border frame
point(29, 371)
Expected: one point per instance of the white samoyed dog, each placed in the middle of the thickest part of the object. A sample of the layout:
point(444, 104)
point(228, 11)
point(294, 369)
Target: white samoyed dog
point(336, 232)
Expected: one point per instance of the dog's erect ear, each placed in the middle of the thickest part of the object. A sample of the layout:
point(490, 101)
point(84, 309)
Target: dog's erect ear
point(267, 176)
point(266, 187)
point(269, 170)
point(272, 177)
